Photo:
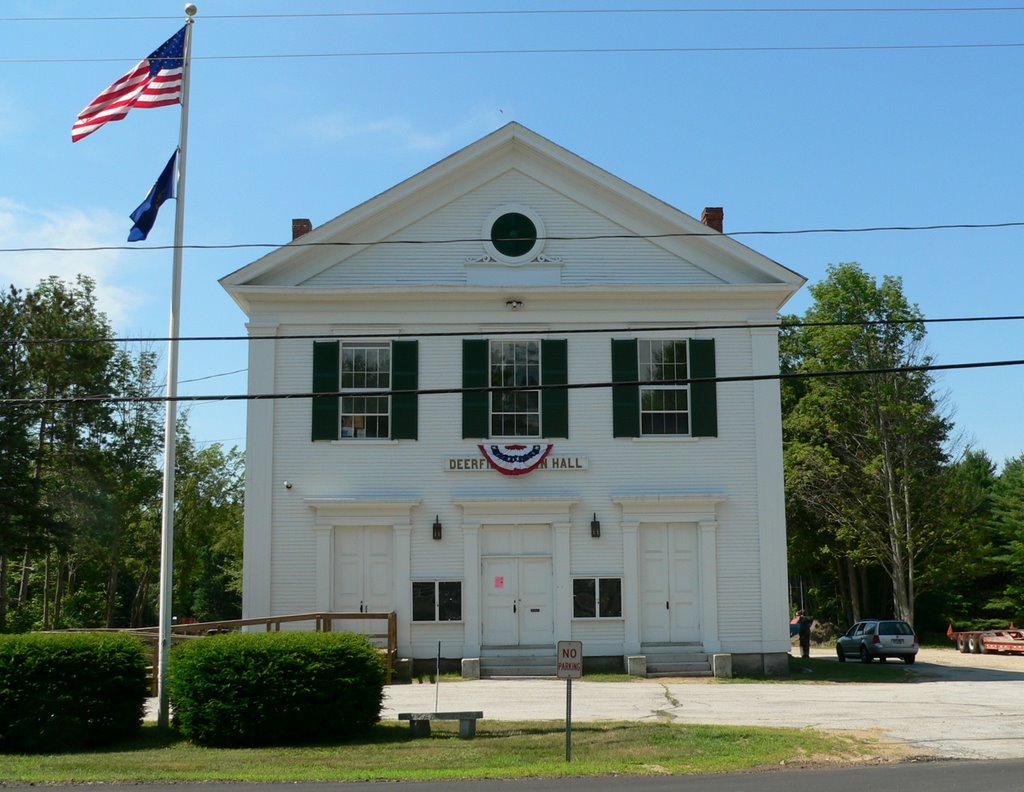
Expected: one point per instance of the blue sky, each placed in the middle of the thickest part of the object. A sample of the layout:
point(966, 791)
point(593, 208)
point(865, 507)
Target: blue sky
point(790, 120)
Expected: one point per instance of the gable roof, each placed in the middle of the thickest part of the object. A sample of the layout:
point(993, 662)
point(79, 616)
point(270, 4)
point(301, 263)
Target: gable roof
point(512, 147)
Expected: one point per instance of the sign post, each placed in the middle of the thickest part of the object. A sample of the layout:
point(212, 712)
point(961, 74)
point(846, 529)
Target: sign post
point(569, 667)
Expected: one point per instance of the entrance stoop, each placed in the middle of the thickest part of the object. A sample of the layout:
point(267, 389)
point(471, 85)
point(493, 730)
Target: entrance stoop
point(498, 663)
point(677, 661)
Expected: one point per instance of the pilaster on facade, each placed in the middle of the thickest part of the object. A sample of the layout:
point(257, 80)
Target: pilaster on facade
point(631, 587)
point(259, 474)
point(708, 543)
point(471, 588)
point(562, 580)
point(402, 590)
point(771, 507)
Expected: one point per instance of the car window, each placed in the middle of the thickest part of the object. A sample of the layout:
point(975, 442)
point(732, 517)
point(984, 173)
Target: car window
point(857, 629)
point(895, 628)
point(870, 629)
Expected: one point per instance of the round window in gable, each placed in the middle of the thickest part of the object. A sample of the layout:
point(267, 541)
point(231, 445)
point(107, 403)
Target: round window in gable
point(513, 234)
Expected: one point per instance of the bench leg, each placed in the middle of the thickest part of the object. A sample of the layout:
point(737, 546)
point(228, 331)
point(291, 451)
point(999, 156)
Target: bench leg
point(467, 728)
point(419, 728)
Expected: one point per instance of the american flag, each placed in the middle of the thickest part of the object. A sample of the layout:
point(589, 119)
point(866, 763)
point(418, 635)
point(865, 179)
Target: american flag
point(154, 82)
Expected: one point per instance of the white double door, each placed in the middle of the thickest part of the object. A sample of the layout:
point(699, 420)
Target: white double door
point(516, 586)
point(363, 570)
point(669, 583)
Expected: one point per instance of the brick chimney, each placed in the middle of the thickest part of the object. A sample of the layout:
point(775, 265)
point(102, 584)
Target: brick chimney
point(301, 225)
point(712, 217)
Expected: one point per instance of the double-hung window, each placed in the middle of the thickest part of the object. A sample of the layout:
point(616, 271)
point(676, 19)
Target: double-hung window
point(365, 368)
point(369, 390)
point(664, 405)
point(653, 394)
point(509, 388)
point(515, 365)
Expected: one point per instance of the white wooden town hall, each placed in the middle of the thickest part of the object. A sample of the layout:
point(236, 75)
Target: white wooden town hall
point(641, 519)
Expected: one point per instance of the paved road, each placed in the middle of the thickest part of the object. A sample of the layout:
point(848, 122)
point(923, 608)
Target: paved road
point(966, 706)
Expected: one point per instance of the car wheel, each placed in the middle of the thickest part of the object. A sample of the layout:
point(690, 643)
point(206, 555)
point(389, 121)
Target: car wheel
point(974, 644)
point(909, 659)
point(864, 656)
point(961, 643)
point(840, 654)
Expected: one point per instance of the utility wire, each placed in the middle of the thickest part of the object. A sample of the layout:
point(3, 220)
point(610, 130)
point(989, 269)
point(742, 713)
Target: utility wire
point(534, 12)
point(925, 367)
point(545, 51)
point(777, 324)
point(548, 238)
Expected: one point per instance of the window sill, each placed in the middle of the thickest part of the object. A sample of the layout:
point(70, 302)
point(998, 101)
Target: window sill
point(436, 621)
point(598, 618)
point(665, 439)
point(364, 441)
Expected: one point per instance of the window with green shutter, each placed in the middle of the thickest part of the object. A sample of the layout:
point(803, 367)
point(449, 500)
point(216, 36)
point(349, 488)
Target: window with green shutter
point(522, 409)
point(365, 373)
point(659, 406)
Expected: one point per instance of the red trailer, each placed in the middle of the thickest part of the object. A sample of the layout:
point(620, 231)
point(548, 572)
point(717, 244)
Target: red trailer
point(1010, 640)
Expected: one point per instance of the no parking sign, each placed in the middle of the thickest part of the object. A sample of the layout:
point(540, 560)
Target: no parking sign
point(569, 666)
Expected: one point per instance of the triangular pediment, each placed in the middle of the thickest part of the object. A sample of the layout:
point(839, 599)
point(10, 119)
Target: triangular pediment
point(435, 230)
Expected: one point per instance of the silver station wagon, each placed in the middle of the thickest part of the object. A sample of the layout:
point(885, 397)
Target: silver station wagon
point(881, 638)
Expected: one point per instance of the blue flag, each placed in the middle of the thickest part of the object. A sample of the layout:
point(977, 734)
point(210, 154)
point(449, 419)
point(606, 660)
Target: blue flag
point(145, 215)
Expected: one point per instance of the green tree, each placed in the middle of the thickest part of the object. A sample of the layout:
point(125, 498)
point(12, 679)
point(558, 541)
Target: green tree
point(20, 516)
point(208, 530)
point(865, 454)
point(1007, 523)
point(70, 357)
point(131, 450)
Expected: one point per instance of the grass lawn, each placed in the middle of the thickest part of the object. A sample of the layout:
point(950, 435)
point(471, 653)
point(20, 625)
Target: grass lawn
point(501, 749)
point(829, 670)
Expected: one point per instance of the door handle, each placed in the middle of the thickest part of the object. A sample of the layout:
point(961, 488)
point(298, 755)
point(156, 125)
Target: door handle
point(666, 605)
point(514, 607)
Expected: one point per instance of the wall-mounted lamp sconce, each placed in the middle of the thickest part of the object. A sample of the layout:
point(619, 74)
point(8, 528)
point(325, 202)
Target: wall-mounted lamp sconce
point(287, 485)
point(595, 527)
point(513, 305)
point(437, 527)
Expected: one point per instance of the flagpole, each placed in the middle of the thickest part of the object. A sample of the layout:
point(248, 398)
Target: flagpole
point(171, 410)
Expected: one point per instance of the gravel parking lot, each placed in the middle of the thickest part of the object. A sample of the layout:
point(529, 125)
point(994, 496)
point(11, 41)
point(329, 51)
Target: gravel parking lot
point(963, 706)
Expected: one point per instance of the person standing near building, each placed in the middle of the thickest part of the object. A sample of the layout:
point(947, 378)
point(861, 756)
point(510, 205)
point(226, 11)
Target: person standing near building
point(804, 623)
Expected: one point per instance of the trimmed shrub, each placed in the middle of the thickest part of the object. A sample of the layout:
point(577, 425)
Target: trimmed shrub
point(253, 689)
point(68, 691)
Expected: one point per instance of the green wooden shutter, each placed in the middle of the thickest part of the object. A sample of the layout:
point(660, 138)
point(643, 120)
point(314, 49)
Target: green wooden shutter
point(554, 404)
point(703, 395)
point(625, 398)
point(405, 375)
point(475, 374)
point(326, 366)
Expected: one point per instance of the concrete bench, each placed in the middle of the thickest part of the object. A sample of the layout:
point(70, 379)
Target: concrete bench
point(419, 722)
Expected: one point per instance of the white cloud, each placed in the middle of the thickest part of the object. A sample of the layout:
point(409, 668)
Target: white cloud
point(26, 227)
point(402, 133)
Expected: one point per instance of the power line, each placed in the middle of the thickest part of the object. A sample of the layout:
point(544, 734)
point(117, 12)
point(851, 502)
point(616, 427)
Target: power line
point(549, 238)
point(462, 53)
point(777, 324)
point(209, 376)
point(504, 389)
point(534, 12)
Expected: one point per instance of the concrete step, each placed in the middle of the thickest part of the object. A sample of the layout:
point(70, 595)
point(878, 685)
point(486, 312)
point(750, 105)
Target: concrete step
point(516, 663)
point(681, 664)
